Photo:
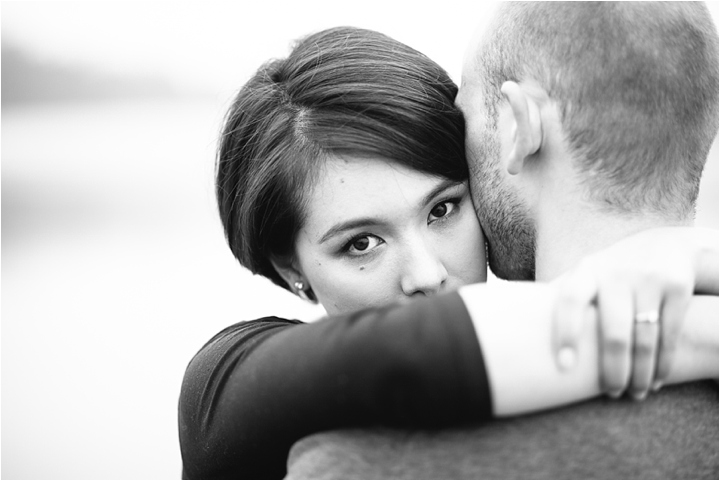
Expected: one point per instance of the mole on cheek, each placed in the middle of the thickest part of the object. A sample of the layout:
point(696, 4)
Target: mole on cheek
point(362, 268)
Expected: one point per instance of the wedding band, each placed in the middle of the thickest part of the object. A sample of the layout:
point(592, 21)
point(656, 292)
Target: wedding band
point(647, 317)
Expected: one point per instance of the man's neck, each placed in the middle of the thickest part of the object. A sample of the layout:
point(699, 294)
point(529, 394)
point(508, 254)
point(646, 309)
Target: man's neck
point(564, 239)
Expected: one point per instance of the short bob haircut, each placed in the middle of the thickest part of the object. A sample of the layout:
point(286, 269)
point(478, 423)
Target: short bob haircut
point(341, 92)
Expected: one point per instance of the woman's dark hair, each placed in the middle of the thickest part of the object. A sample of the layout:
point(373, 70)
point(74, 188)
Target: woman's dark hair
point(341, 92)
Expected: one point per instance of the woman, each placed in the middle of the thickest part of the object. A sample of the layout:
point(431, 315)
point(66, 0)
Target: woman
point(341, 176)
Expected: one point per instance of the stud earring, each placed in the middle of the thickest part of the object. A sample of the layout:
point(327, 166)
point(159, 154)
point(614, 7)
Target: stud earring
point(300, 286)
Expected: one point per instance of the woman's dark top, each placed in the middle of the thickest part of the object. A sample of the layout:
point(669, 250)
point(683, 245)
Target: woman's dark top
point(257, 387)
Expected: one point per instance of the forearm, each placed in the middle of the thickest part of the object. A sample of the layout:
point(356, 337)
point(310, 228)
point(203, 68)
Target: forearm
point(514, 327)
point(516, 339)
point(247, 398)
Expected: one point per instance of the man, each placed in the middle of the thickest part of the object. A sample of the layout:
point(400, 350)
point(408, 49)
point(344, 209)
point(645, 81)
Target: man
point(586, 123)
point(585, 126)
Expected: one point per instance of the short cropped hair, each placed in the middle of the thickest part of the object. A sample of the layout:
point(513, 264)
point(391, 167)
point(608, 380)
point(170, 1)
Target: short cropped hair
point(637, 88)
point(342, 91)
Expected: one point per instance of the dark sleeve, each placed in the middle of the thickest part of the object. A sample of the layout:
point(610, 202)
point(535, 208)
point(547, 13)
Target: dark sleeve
point(258, 387)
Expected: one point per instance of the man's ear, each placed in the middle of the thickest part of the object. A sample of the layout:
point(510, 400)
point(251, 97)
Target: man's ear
point(527, 128)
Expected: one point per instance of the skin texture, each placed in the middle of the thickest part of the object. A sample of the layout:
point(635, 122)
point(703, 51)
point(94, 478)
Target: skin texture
point(409, 244)
point(502, 209)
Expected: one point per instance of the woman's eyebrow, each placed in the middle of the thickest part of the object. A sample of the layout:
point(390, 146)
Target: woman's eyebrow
point(349, 225)
point(374, 221)
point(439, 189)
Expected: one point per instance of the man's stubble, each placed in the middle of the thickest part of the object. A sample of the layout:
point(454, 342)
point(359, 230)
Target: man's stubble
point(505, 219)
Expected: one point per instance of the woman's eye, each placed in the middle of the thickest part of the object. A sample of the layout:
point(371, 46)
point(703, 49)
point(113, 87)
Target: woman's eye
point(363, 244)
point(443, 209)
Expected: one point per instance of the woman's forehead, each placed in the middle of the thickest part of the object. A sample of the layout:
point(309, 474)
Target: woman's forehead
point(349, 188)
point(349, 177)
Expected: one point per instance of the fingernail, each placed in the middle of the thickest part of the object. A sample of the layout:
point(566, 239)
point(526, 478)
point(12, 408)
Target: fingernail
point(567, 358)
point(615, 394)
point(657, 385)
point(639, 396)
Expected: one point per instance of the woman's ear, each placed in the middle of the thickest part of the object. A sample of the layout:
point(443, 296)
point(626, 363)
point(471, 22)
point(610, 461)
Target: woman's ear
point(287, 270)
point(527, 127)
point(295, 279)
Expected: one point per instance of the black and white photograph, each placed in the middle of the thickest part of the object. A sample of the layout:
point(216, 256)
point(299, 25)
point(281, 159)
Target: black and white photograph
point(359, 240)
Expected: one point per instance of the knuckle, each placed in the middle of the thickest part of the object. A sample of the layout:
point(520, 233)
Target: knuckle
point(652, 279)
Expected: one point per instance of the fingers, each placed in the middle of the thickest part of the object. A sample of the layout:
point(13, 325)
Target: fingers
point(616, 306)
point(658, 320)
point(576, 301)
point(674, 309)
point(646, 328)
point(640, 317)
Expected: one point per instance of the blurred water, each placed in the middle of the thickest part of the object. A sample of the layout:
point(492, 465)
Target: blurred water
point(114, 272)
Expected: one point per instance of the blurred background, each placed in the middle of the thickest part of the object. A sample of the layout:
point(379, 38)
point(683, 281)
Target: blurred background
point(114, 266)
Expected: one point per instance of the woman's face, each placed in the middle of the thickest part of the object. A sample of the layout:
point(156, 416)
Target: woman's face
point(377, 232)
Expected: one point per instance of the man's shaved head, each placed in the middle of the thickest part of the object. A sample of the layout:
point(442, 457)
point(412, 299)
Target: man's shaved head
point(636, 87)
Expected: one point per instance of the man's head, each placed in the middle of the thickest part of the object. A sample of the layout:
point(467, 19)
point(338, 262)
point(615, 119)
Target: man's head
point(635, 90)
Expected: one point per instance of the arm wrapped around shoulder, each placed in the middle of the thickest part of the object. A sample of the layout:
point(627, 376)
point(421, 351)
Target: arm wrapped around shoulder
point(251, 393)
point(520, 351)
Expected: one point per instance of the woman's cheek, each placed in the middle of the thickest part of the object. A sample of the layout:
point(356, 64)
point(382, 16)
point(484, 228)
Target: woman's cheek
point(469, 250)
point(358, 287)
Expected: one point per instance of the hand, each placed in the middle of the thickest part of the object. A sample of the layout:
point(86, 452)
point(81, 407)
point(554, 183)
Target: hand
point(641, 288)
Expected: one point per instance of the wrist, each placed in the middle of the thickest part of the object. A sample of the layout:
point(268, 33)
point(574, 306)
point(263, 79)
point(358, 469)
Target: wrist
point(516, 339)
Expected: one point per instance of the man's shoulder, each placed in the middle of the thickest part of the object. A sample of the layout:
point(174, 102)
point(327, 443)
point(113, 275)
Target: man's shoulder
point(673, 434)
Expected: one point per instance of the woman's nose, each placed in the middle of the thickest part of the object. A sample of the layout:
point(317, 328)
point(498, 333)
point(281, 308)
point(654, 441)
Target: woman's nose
point(424, 272)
